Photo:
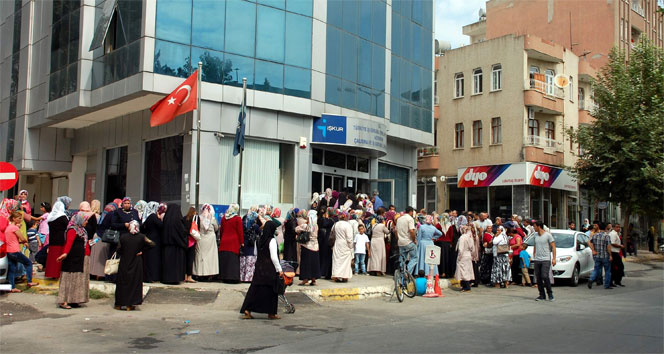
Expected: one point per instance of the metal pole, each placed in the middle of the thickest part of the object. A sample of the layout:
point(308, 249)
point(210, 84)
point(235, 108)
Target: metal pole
point(198, 132)
point(243, 109)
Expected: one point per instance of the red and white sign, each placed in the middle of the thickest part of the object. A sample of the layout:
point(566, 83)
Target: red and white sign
point(8, 176)
point(525, 173)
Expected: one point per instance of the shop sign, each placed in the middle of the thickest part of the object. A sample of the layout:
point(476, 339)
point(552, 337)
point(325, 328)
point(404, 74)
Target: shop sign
point(351, 132)
point(329, 129)
point(551, 177)
point(494, 175)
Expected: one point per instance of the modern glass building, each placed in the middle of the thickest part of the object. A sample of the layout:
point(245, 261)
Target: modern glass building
point(81, 76)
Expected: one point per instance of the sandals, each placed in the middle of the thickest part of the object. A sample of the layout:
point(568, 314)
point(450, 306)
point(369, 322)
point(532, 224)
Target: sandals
point(65, 307)
point(15, 290)
point(302, 283)
point(247, 316)
point(190, 281)
point(274, 317)
point(313, 283)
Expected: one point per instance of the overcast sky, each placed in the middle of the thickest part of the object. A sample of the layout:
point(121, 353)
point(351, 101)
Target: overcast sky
point(452, 15)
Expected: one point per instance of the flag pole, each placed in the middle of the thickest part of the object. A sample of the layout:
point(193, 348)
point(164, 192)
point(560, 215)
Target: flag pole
point(198, 132)
point(243, 110)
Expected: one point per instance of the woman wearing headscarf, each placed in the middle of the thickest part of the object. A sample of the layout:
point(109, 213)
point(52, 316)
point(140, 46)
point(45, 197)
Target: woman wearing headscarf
point(57, 226)
point(261, 296)
point(328, 200)
point(392, 248)
point(252, 231)
point(129, 284)
point(207, 260)
point(465, 250)
point(277, 218)
point(101, 251)
point(325, 223)
point(425, 236)
point(25, 204)
point(343, 251)
point(309, 259)
point(192, 239)
point(75, 279)
point(290, 244)
point(152, 228)
point(379, 235)
point(91, 225)
point(174, 246)
point(232, 238)
point(500, 273)
point(122, 217)
point(140, 208)
point(98, 249)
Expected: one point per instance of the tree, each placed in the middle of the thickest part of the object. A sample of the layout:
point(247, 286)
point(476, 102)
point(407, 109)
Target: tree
point(623, 149)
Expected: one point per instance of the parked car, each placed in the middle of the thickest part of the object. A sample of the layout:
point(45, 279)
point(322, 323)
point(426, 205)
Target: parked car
point(4, 263)
point(574, 258)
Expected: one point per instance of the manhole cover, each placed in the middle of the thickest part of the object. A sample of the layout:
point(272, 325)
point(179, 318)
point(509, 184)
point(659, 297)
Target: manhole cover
point(180, 296)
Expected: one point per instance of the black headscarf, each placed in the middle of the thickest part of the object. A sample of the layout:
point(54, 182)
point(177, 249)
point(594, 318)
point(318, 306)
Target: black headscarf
point(268, 234)
point(174, 232)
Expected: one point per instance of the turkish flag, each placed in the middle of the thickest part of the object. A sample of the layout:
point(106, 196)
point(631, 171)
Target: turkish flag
point(182, 100)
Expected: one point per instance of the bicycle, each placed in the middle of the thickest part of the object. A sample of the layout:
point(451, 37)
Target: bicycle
point(404, 282)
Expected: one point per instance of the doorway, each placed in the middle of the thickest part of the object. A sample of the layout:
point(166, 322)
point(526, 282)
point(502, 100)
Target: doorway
point(335, 182)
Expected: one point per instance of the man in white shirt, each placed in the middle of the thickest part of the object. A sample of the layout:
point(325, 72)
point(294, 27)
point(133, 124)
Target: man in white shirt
point(617, 266)
point(407, 238)
point(484, 223)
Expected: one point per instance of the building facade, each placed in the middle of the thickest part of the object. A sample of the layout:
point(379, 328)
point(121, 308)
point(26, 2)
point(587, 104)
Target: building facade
point(84, 73)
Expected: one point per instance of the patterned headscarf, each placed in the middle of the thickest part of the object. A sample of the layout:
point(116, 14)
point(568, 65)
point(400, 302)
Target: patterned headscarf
point(232, 211)
point(314, 198)
point(207, 213)
point(461, 222)
point(250, 219)
point(76, 223)
point(343, 215)
point(313, 218)
point(276, 213)
point(331, 212)
point(292, 214)
point(118, 202)
point(7, 207)
point(335, 194)
point(110, 207)
point(328, 193)
point(65, 200)
point(133, 227)
point(428, 219)
point(162, 208)
point(380, 219)
point(140, 207)
point(150, 208)
point(389, 215)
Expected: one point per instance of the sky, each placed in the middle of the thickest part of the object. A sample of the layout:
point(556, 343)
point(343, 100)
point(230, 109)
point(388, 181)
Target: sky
point(452, 15)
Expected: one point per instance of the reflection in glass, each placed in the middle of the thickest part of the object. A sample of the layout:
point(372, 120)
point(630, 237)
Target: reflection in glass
point(241, 67)
point(365, 19)
point(298, 40)
point(349, 95)
point(332, 90)
point(208, 24)
point(304, 7)
point(335, 159)
point(215, 69)
point(364, 71)
point(297, 82)
point(364, 103)
point(351, 14)
point(378, 22)
point(174, 20)
point(269, 77)
point(270, 34)
point(395, 111)
point(171, 59)
point(240, 27)
point(349, 55)
point(378, 68)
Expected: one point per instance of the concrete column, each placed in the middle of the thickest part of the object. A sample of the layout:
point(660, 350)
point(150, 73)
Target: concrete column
point(303, 164)
point(76, 185)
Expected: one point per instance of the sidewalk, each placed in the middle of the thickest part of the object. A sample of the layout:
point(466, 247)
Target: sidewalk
point(357, 288)
point(644, 257)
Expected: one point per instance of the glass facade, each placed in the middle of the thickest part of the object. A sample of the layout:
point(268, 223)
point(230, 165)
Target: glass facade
point(355, 64)
point(266, 41)
point(121, 55)
point(400, 176)
point(412, 67)
point(64, 48)
point(13, 86)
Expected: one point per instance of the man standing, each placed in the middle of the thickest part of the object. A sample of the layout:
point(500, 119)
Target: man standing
point(545, 246)
point(407, 238)
point(599, 244)
point(617, 266)
point(571, 225)
point(484, 223)
point(377, 202)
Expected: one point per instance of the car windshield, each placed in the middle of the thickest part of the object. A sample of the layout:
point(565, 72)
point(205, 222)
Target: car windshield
point(562, 240)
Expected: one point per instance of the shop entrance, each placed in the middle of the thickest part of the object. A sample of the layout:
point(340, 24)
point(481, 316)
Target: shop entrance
point(335, 182)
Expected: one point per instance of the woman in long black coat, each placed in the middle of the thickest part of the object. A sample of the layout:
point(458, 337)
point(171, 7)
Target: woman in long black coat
point(174, 246)
point(325, 224)
point(129, 283)
point(290, 245)
point(261, 296)
point(152, 228)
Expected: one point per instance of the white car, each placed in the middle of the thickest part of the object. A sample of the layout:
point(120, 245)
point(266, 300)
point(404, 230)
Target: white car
point(574, 258)
point(4, 263)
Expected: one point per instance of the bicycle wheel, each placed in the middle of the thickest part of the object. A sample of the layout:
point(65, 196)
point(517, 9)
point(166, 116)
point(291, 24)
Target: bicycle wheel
point(410, 287)
point(397, 285)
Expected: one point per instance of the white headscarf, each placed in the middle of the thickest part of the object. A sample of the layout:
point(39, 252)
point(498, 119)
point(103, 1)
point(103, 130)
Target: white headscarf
point(313, 218)
point(206, 216)
point(150, 209)
point(57, 211)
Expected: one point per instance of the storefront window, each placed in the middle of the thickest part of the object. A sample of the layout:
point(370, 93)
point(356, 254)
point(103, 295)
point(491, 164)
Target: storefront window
point(457, 197)
point(335, 159)
point(535, 203)
point(477, 199)
point(500, 201)
point(317, 156)
point(363, 165)
point(556, 210)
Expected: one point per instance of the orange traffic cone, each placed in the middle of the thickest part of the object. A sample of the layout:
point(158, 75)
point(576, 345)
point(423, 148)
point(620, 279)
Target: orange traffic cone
point(437, 288)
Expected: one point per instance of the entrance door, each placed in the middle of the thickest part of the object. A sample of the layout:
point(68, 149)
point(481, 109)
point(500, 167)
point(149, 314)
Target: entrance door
point(385, 189)
point(335, 182)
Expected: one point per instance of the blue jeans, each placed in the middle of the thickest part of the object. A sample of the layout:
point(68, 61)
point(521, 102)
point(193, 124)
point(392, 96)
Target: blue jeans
point(14, 259)
point(359, 263)
point(409, 252)
point(597, 272)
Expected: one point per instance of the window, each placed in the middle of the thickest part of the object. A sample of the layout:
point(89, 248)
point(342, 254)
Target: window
point(571, 88)
point(550, 74)
point(582, 96)
point(496, 131)
point(550, 132)
point(496, 77)
point(458, 136)
point(116, 173)
point(458, 85)
point(477, 133)
point(163, 169)
point(64, 48)
point(477, 81)
point(533, 127)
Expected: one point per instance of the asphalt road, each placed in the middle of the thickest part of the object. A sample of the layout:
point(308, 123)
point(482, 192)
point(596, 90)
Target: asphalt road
point(629, 319)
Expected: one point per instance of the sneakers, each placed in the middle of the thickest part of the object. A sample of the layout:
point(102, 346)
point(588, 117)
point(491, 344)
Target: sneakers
point(540, 298)
point(551, 298)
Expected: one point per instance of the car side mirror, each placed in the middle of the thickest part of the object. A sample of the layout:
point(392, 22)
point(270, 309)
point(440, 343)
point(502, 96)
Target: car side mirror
point(581, 247)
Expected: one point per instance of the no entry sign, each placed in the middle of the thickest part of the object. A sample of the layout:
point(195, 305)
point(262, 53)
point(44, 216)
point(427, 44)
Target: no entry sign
point(8, 176)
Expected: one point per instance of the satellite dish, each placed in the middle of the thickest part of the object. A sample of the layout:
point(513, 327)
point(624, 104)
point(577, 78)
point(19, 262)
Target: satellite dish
point(482, 12)
point(561, 81)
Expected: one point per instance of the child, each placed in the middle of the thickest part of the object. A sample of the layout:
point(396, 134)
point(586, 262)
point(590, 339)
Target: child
point(14, 238)
point(420, 283)
point(361, 250)
point(525, 263)
point(34, 243)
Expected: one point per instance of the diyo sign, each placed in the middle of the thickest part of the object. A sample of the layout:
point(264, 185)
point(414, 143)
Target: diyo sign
point(480, 176)
point(544, 176)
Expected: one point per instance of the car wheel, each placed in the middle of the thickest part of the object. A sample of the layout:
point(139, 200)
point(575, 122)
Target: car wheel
point(574, 280)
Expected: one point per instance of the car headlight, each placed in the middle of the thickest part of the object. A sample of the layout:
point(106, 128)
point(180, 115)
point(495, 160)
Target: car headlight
point(564, 259)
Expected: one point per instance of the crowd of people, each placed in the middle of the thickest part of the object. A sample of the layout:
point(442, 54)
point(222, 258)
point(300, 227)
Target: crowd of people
point(339, 234)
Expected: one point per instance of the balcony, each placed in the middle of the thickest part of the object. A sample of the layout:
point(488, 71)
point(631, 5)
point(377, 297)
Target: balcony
point(540, 49)
point(427, 158)
point(585, 117)
point(544, 96)
point(543, 150)
point(636, 7)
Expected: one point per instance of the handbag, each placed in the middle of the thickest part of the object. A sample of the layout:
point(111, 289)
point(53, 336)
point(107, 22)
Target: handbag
point(111, 266)
point(279, 285)
point(193, 230)
point(332, 238)
point(503, 248)
point(303, 237)
point(110, 236)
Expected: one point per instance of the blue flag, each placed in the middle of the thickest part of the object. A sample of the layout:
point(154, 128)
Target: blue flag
point(239, 132)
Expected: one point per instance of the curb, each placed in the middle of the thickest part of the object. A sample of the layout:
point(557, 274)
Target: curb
point(360, 293)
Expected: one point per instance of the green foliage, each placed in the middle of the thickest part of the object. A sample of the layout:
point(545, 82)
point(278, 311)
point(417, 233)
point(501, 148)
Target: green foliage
point(96, 294)
point(623, 150)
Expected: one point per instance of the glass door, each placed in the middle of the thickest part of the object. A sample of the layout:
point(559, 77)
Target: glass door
point(385, 189)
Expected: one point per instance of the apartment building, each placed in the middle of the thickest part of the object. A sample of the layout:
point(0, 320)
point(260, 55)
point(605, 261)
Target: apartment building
point(81, 75)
